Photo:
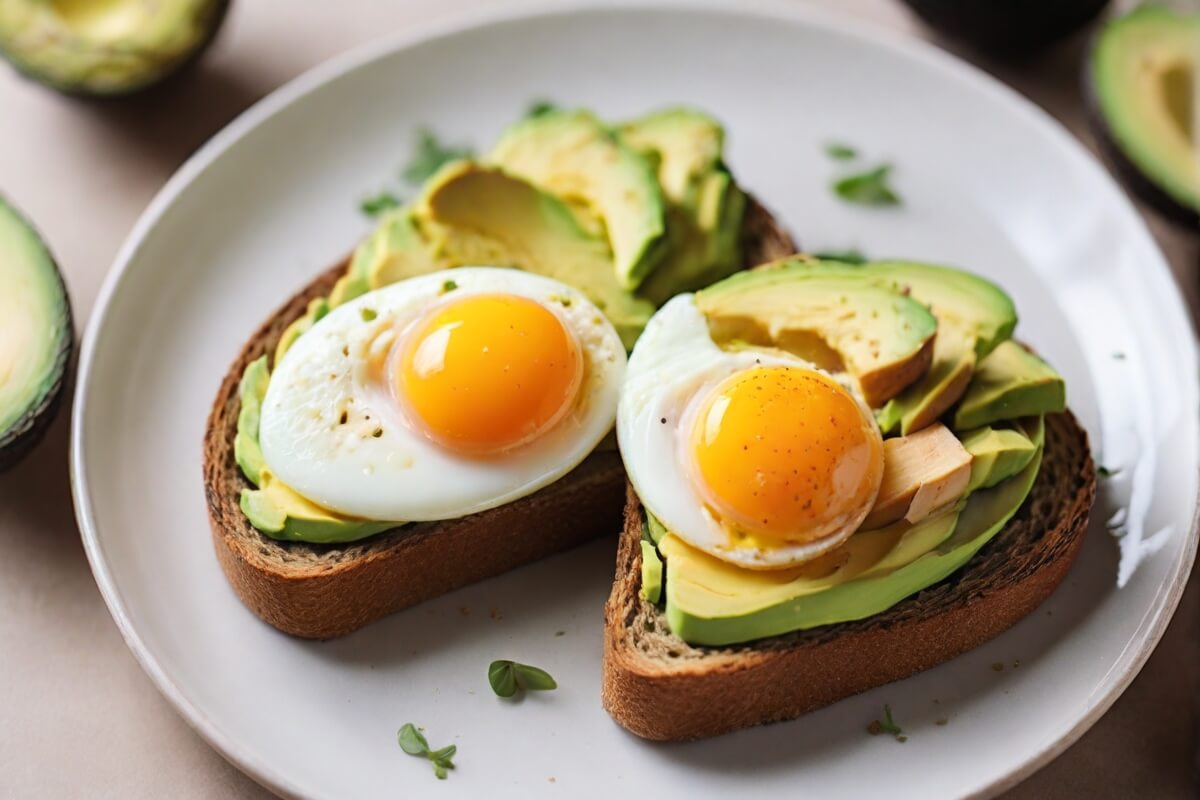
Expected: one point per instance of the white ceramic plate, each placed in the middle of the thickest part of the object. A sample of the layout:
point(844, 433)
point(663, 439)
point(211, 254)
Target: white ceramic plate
point(988, 182)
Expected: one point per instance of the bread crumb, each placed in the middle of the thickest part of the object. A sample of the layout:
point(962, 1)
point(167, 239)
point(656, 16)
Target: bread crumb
point(495, 614)
point(560, 633)
point(552, 779)
point(997, 667)
point(902, 738)
point(940, 722)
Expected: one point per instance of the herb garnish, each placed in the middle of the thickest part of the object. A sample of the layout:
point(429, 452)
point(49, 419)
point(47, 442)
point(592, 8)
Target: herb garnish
point(1105, 472)
point(868, 188)
point(377, 204)
point(840, 152)
point(851, 256)
point(887, 726)
point(539, 107)
point(430, 155)
point(509, 677)
point(367, 314)
point(413, 742)
point(449, 286)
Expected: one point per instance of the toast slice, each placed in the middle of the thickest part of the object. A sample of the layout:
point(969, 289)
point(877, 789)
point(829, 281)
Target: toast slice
point(322, 591)
point(659, 687)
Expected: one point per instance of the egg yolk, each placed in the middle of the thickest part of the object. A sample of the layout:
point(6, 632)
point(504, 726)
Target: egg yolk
point(786, 454)
point(488, 373)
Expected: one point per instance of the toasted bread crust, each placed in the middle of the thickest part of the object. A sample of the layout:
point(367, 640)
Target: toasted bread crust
point(323, 591)
point(661, 688)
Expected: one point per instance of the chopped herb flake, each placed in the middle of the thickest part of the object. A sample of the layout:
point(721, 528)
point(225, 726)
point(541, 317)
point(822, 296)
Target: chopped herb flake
point(1105, 472)
point(840, 152)
point(377, 204)
point(888, 725)
point(868, 188)
point(413, 742)
point(449, 286)
point(509, 677)
point(368, 314)
point(539, 107)
point(430, 155)
point(851, 256)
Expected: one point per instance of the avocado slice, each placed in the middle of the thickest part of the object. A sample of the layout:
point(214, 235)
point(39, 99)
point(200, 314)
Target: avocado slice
point(272, 507)
point(1141, 87)
point(575, 156)
point(1011, 382)
point(652, 568)
point(712, 602)
point(483, 215)
point(974, 315)
point(840, 320)
point(36, 336)
point(105, 47)
point(704, 206)
point(1007, 27)
point(997, 453)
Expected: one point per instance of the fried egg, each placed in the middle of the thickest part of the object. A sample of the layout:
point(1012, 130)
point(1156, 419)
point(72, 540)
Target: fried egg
point(442, 395)
point(754, 456)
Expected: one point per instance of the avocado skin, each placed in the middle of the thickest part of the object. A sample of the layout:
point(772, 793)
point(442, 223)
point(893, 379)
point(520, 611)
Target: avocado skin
point(1129, 174)
point(82, 91)
point(1007, 27)
point(28, 430)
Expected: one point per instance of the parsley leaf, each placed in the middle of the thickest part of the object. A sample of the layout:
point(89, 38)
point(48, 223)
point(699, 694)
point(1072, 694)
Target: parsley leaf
point(430, 155)
point(509, 677)
point(851, 256)
point(1105, 472)
point(449, 286)
point(868, 188)
point(840, 152)
point(539, 107)
point(413, 742)
point(377, 204)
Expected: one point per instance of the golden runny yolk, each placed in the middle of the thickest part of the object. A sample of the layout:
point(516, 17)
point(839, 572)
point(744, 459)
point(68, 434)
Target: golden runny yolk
point(786, 453)
point(488, 373)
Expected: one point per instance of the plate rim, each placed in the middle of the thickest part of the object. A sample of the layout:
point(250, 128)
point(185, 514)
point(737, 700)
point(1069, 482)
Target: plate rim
point(1129, 664)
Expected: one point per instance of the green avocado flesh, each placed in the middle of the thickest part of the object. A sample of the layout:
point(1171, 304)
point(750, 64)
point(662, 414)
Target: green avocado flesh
point(105, 46)
point(1011, 382)
point(704, 206)
point(710, 602)
point(1142, 75)
point(35, 329)
point(573, 155)
point(271, 506)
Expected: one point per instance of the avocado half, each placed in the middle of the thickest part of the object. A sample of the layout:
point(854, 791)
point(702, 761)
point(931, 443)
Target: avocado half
point(105, 47)
point(1141, 90)
point(1007, 26)
point(36, 336)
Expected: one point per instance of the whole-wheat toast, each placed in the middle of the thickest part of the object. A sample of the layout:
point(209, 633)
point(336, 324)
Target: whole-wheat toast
point(322, 591)
point(659, 687)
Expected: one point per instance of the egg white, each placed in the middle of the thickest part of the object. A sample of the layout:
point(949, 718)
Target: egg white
point(375, 465)
point(671, 371)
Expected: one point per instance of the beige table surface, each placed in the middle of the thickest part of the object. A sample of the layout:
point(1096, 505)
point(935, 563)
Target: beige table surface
point(78, 718)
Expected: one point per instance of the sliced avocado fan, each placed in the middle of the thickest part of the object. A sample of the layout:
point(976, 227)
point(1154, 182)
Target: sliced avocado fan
point(36, 336)
point(575, 156)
